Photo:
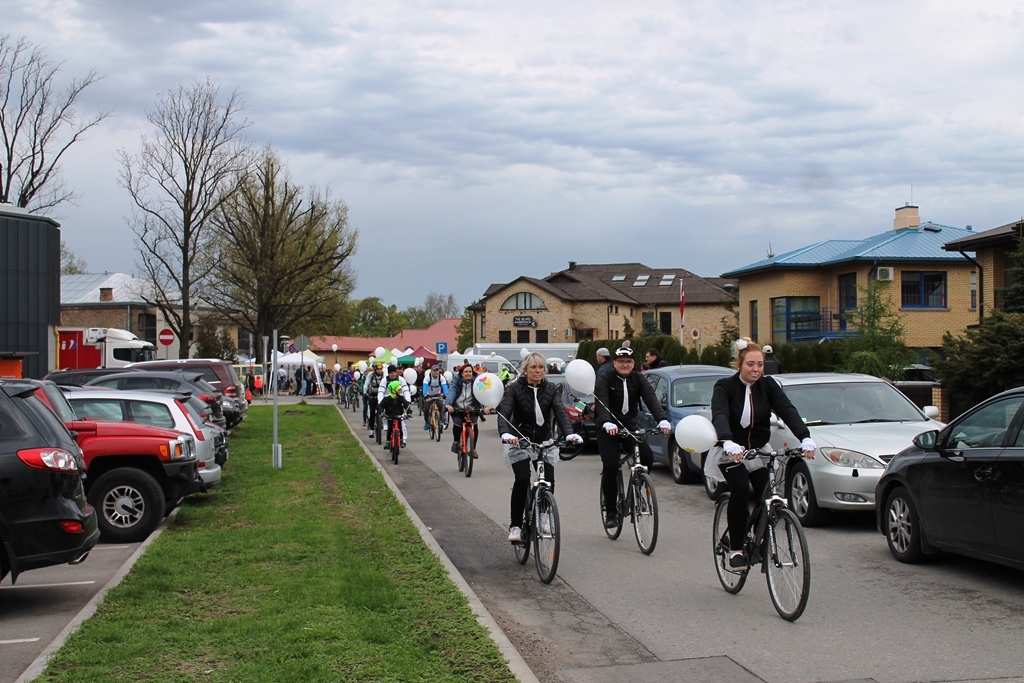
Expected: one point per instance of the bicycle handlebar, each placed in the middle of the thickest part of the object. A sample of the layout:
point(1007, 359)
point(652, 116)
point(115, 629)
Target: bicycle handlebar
point(752, 453)
point(538, 448)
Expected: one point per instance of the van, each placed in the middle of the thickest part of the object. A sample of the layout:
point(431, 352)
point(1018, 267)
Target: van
point(491, 363)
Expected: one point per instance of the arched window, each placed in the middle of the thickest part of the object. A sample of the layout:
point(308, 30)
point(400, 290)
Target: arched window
point(523, 301)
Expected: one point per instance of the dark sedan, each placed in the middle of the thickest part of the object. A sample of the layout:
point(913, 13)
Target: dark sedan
point(682, 390)
point(960, 489)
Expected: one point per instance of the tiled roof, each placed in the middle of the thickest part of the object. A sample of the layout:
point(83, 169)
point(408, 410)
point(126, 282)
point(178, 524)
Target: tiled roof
point(441, 331)
point(923, 243)
point(1003, 235)
point(85, 288)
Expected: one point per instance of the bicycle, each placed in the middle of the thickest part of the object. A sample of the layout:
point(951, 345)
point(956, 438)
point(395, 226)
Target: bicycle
point(467, 442)
point(786, 564)
point(639, 501)
point(353, 398)
point(341, 395)
point(540, 523)
point(435, 421)
point(395, 436)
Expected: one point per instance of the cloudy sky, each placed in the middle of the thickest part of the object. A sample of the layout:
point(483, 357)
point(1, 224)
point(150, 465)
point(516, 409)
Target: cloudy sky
point(475, 142)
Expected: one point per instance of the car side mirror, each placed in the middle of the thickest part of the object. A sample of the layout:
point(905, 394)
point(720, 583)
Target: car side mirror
point(932, 412)
point(926, 441)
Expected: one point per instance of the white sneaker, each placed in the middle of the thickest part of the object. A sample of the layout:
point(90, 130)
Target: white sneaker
point(515, 535)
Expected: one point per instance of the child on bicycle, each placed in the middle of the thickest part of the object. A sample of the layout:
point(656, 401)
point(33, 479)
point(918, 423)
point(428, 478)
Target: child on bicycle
point(525, 411)
point(741, 408)
point(618, 395)
point(393, 405)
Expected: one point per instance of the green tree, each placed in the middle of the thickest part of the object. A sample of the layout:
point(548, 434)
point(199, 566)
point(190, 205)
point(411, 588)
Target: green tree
point(283, 254)
point(207, 341)
point(436, 307)
point(373, 318)
point(650, 325)
point(627, 329)
point(1013, 294)
point(70, 264)
point(984, 360)
point(466, 338)
point(878, 349)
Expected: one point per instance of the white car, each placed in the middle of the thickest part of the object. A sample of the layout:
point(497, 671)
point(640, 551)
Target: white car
point(859, 423)
point(155, 408)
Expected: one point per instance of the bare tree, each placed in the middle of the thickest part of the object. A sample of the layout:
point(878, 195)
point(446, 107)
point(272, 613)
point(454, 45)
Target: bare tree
point(283, 254)
point(70, 263)
point(177, 182)
point(38, 123)
point(436, 307)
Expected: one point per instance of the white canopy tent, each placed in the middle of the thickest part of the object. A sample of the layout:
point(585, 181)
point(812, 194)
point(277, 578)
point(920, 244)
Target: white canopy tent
point(291, 361)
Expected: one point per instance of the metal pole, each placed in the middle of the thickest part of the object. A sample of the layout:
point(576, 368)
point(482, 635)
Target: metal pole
point(276, 457)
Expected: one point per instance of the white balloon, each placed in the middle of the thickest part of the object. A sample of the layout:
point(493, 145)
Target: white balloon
point(417, 361)
point(410, 376)
point(337, 367)
point(362, 366)
point(412, 389)
point(581, 376)
point(523, 353)
point(488, 389)
point(356, 375)
point(447, 375)
point(379, 352)
point(696, 434)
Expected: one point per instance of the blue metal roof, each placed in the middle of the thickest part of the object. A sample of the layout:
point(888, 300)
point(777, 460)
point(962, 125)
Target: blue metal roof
point(923, 243)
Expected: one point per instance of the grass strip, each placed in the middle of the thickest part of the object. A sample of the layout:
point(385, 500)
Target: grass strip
point(308, 573)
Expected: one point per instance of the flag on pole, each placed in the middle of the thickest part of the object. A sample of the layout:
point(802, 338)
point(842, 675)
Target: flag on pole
point(682, 305)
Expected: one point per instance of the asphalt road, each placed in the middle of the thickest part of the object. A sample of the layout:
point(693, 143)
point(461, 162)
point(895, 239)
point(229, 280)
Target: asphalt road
point(614, 614)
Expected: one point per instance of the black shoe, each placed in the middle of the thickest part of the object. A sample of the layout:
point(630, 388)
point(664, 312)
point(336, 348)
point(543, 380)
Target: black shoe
point(473, 453)
point(738, 562)
point(611, 521)
point(455, 448)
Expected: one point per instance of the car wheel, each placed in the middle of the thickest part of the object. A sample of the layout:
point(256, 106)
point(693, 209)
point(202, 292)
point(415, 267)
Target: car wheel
point(713, 488)
point(902, 527)
point(802, 499)
point(680, 469)
point(129, 504)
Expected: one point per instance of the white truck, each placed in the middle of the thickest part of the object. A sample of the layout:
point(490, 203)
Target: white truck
point(83, 348)
point(566, 352)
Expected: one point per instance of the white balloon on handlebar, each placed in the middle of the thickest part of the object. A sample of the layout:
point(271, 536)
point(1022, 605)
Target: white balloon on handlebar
point(581, 376)
point(410, 376)
point(488, 389)
point(696, 434)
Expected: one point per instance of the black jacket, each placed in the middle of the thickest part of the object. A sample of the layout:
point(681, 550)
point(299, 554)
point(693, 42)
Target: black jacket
point(608, 390)
point(517, 408)
point(766, 396)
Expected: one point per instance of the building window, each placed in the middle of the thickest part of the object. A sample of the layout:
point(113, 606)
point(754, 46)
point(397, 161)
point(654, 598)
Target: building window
point(666, 322)
point(523, 301)
point(618, 278)
point(585, 335)
point(483, 326)
point(666, 280)
point(504, 336)
point(542, 336)
point(615, 334)
point(641, 280)
point(795, 318)
point(922, 289)
point(847, 291)
point(753, 320)
point(974, 290)
point(146, 330)
point(522, 336)
point(616, 310)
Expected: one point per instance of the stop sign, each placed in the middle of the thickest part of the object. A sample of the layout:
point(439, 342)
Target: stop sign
point(166, 336)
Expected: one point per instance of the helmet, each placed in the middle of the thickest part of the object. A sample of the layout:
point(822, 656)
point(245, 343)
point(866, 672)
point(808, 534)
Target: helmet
point(767, 348)
point(394, 388)
point(624, 352)
point(378, 366)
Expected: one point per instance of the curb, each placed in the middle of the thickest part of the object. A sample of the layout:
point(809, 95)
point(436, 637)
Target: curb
point(516, 664)
point(37, 667)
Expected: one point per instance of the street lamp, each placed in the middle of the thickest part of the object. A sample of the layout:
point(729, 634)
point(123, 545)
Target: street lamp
point(334, 347)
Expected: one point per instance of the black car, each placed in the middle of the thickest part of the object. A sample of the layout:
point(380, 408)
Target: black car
point(173, 380)
point(78, 378)
point(44, 517)
point(960, 489)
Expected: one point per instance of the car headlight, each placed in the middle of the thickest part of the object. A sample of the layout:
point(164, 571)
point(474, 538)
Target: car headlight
point(846, 458)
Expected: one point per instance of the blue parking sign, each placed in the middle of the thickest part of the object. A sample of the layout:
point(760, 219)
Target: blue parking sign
point(441, 348)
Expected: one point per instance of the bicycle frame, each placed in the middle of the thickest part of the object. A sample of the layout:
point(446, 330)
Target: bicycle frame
point(540, 501)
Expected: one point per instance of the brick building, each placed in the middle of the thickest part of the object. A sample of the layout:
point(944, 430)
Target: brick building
point(992, 249)
point(804, 294)
point(597, 301)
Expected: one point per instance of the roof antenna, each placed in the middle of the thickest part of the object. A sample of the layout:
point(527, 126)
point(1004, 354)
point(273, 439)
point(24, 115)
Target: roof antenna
point(769, 254)
point(912, 194)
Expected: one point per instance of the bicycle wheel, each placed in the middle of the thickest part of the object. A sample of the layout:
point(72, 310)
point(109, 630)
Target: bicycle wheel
point(546, 540)
point(470, 449)
point(462, 460)
point(732, 580)
point(396, 440)
point(614, 532)
point(432, 421)
point(788, 565)
point(523, 547)
point(645, 513)
point(379, 424)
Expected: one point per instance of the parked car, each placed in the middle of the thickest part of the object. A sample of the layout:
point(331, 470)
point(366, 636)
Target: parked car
point(45, 519)
point(682, 390)
point(163, 409)
point(220, 373)
point(859, 423)
point(960, 489)
point(77, 378)
point(171, 380)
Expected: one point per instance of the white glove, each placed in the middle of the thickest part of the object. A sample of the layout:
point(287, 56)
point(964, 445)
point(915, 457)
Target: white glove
point(574, 438)
point(808, 445)
point(664, 424)
point(609, 427)
point(508, 438)
point(732, 448)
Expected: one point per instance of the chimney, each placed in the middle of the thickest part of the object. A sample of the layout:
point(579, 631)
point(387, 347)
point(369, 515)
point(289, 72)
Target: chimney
point(572, 265)
point(906, 217)
point(106, 293)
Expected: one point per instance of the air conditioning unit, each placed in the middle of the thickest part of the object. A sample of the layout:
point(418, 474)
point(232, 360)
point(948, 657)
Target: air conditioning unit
point(884, 274)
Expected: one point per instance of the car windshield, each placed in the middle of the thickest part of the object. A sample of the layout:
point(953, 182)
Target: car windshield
point(693, 391)
point(852, 403)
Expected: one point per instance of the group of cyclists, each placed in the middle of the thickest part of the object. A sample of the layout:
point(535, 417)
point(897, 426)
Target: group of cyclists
point(531, 407)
